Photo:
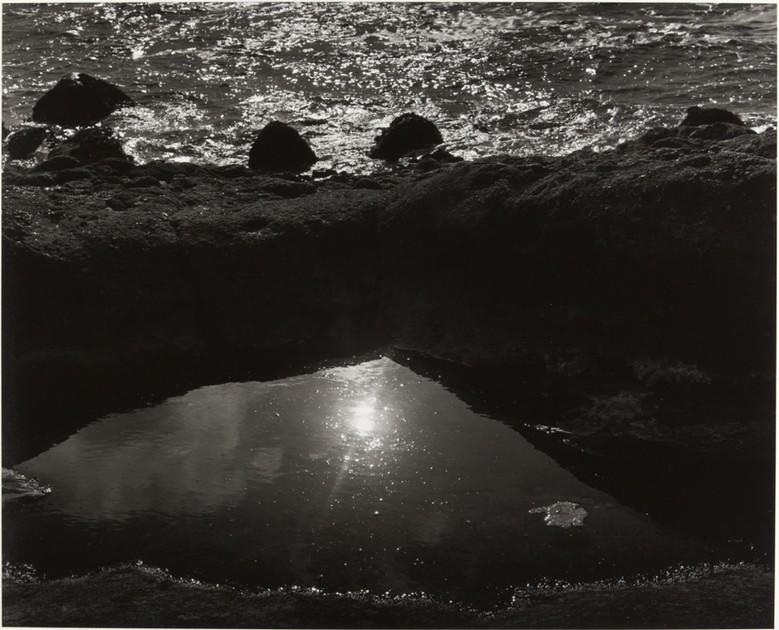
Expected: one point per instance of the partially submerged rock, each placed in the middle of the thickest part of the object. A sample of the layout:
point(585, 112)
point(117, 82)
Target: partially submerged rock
point(91, 145)
point(406, 134)
point(280, 148)
point(709, 115)
point(79, 99)
point(24, 142)
point(700, 123)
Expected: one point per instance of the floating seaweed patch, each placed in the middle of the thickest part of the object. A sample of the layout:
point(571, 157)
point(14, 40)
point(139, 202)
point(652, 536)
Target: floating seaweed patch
point(562, 514)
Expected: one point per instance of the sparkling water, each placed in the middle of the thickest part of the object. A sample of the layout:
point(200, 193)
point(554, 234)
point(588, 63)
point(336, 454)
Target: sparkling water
point(516, 78)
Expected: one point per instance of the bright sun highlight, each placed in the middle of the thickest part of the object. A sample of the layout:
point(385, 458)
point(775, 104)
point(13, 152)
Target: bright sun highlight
point(363, 419)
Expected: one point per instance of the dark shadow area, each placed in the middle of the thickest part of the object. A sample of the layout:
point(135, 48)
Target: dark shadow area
point(727, 500)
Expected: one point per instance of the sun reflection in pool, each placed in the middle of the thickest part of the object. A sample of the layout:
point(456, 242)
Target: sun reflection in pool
point(363, 418)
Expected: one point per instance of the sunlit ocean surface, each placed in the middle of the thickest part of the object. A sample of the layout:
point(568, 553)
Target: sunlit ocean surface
point(517, 78)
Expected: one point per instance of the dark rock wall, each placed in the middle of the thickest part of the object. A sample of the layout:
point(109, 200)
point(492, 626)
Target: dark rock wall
point(618, 256)
point(534, 270)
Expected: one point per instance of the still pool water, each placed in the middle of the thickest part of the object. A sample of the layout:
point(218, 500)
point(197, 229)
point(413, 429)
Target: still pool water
point(360, 477)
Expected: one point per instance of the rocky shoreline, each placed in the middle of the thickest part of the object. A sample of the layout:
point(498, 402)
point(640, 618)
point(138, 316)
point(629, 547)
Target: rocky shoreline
point(722, 596)
point(626, 297)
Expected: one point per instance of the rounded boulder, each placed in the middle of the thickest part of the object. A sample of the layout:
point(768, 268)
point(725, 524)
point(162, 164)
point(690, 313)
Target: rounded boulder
point(24, 142)
point(406, 134)
point(279, 148)
point(79, 99)
point(697, 116)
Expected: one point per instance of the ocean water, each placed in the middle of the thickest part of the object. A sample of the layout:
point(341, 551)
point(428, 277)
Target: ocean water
point(516, 78)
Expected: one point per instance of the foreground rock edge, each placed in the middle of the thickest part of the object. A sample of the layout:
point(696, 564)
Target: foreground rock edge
point(707, 596)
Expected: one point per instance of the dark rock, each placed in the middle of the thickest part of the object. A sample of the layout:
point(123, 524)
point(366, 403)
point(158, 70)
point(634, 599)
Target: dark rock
point(79, 99)
point(91, 145)
point(720, 131)
point(288, 189)
point(71, 175)
point(696, 161)
point(763, 144)
point(6, 131)
point(708, 116)
point(367, 183)
point(766, 144)
point(146, 181)
point(406, 134)
point(35, 179)
point(658, 133)
point(121, 201)
point(57, 163)
point(23, 143)
point(182, 182)
point(279, 148)
point(117, 165)
point(442, 155)
point(322, 173)
point(427, 164)
point(671, 142)
point(165, 171)
point(231, 171)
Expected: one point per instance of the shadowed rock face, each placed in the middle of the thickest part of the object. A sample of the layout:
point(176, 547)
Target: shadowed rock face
point(90, 145)
point(406, 134)
point(710, 115)
point(23, 143)
point(79, 99)
point(279, 148)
